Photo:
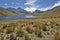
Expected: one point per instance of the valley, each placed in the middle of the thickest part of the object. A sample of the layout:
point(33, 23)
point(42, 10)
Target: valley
point(21, 25)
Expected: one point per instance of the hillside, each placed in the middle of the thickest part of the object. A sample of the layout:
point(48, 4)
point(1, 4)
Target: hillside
point(10, 12)
point(43, 28)
point(55, 12)
point(18, 11)
point(5, 12)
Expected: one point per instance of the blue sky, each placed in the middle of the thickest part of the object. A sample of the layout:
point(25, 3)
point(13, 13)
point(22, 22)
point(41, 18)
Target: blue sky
point(30, 5)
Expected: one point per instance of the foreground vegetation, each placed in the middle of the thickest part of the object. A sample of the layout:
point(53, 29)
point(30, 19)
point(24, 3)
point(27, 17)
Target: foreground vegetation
point(45, 27)
point(30, 29)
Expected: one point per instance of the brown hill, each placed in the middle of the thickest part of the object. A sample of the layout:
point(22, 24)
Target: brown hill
point(55, 12)
point(9, 12)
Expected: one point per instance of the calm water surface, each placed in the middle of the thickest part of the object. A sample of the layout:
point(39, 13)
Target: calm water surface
point(15, 17)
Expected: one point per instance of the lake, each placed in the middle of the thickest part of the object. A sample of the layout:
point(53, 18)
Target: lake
point(15, 17)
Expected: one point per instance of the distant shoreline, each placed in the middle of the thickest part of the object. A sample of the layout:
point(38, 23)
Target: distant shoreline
point(15, 17)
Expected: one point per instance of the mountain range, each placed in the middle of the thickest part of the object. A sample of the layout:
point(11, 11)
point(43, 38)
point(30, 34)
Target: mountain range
point(55, 12)
point(21, 12)
point(12, 12)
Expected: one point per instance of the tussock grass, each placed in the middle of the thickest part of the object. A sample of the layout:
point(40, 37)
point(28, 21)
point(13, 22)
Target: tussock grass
point(41, 28)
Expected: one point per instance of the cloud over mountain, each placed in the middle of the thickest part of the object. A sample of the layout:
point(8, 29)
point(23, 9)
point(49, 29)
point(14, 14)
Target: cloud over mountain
point(31, 3)
point(33, 6)
point(31, 9)
point(56, 4)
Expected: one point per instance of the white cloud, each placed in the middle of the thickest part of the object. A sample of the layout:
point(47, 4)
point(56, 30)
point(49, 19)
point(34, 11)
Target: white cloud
point(44, 9)
point(48, 8)
point(56, 4)
point(34, 7)
point(31, 9)
point(30, 2)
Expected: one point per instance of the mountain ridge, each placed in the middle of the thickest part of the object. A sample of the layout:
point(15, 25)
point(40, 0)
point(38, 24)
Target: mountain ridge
point(22, 12)
point(55, 12)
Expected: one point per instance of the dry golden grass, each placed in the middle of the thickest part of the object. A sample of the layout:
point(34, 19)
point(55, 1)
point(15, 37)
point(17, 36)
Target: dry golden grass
point(54, 13)
point(43, 29)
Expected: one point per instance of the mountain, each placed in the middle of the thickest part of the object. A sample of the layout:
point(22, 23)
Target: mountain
point(37, 12)
point(55, 12)
point(18, 11)
point(12, 12)
point(24, 11)
point(5, 12)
